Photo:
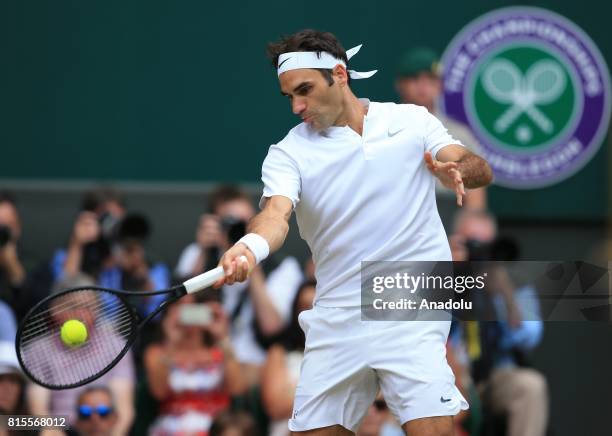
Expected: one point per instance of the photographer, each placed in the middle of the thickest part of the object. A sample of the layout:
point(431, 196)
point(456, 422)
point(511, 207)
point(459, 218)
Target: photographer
point(257, 308)
point(89, 246)
point(133, 269)
point(12, 273)
point(88, 250)
point(507, 386)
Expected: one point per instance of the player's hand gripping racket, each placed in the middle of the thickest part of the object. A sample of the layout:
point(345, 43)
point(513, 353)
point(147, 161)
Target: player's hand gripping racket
point(73, 337)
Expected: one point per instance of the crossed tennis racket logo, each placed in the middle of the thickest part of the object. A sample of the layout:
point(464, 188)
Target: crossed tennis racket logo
point(543, 83)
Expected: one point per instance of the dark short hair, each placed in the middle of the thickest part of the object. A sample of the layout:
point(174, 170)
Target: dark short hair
point(96, 197)
point(97, 388)
point(309, 40)
point(133, 227)
point(7, 197)
point(224, 194)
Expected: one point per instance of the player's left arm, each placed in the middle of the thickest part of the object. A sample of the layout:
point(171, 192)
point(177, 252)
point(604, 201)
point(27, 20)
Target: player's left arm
point(474, 170)
point(458, 168)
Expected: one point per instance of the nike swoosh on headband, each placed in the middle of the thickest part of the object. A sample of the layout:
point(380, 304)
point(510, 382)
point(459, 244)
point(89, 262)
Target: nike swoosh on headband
point(281, 64)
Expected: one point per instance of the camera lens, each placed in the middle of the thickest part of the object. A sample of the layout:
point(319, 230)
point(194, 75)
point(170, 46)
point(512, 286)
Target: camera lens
point(235, 228)
point(478, 250)
point(5, 235)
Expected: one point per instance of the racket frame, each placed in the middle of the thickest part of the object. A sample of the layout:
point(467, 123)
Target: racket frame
point(137, 323)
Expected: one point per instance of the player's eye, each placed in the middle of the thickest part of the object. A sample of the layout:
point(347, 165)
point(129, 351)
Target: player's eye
point(305, 90)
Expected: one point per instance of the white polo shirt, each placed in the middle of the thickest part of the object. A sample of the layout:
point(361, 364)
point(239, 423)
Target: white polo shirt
point(361, 198)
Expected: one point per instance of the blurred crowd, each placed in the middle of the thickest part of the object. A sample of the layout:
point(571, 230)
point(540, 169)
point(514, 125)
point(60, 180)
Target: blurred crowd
point(227, 362)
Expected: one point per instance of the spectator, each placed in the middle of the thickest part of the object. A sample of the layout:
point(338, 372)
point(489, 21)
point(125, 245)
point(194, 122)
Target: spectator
point(107, 203)
point(12, 387)
point(12, 382)
point(193, 371)
point(8, 324)
point(88, 250)
point(96, 411)
point(518, 392)
point(89, 246)
point(12, 273)
point(133, 270)
point(258, 308)
point(282, 368)
point(418, 82)
point(127, 267)
point(120, 380)
point(233, 424)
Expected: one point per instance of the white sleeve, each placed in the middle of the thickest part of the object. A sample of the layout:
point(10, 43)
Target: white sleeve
point(280, 175)
point(436, 135)
point(187, 260)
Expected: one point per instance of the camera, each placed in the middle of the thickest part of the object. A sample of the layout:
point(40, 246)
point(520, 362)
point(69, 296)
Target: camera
point(235, 228)
point(479, 250)
point(5, 235)
point(199, 315)
point(109, 225)
point(500, 249)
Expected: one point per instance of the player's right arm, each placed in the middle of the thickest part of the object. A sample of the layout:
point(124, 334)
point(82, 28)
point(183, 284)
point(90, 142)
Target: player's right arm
point(272, 224)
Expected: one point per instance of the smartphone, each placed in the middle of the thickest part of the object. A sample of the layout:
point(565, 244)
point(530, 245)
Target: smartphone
point(195, 315)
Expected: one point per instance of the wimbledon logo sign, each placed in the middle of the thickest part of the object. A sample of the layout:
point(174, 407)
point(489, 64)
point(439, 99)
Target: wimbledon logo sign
point(534, 89)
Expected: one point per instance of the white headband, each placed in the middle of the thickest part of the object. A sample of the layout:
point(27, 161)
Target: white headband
point(310, 59)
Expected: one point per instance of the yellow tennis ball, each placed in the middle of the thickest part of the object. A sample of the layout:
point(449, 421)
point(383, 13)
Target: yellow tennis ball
point(73, 333)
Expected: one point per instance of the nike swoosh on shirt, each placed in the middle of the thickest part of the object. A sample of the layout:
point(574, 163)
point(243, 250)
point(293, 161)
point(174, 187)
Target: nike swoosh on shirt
point(395, 129)
point(444, 400)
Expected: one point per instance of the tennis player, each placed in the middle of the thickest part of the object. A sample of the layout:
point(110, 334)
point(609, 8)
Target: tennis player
point(360, 177)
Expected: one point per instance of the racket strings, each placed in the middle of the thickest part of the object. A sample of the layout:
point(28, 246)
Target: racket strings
point(109, 324)
point(41, 325)
point(64, 365)
point(68, 303)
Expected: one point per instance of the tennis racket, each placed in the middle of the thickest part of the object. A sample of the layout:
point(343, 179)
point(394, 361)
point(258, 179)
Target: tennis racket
point(106, 325)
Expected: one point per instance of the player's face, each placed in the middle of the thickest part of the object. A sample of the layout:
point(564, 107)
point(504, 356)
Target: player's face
point(311, 97)
point(422, 90)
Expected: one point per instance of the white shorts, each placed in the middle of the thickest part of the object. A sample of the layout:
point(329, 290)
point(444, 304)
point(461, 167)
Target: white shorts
point(347, 360)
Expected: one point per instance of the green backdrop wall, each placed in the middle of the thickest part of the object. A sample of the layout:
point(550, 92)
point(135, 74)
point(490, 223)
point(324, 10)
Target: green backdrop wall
point(182, 90)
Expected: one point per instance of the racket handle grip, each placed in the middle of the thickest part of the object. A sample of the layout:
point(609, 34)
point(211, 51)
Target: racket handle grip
point(204, 280)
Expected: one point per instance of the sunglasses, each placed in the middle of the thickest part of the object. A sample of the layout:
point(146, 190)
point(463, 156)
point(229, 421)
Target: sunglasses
point(86, 412)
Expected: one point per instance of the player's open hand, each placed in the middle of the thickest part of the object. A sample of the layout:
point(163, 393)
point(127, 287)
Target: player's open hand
point(237, 263)
point(448, 174)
